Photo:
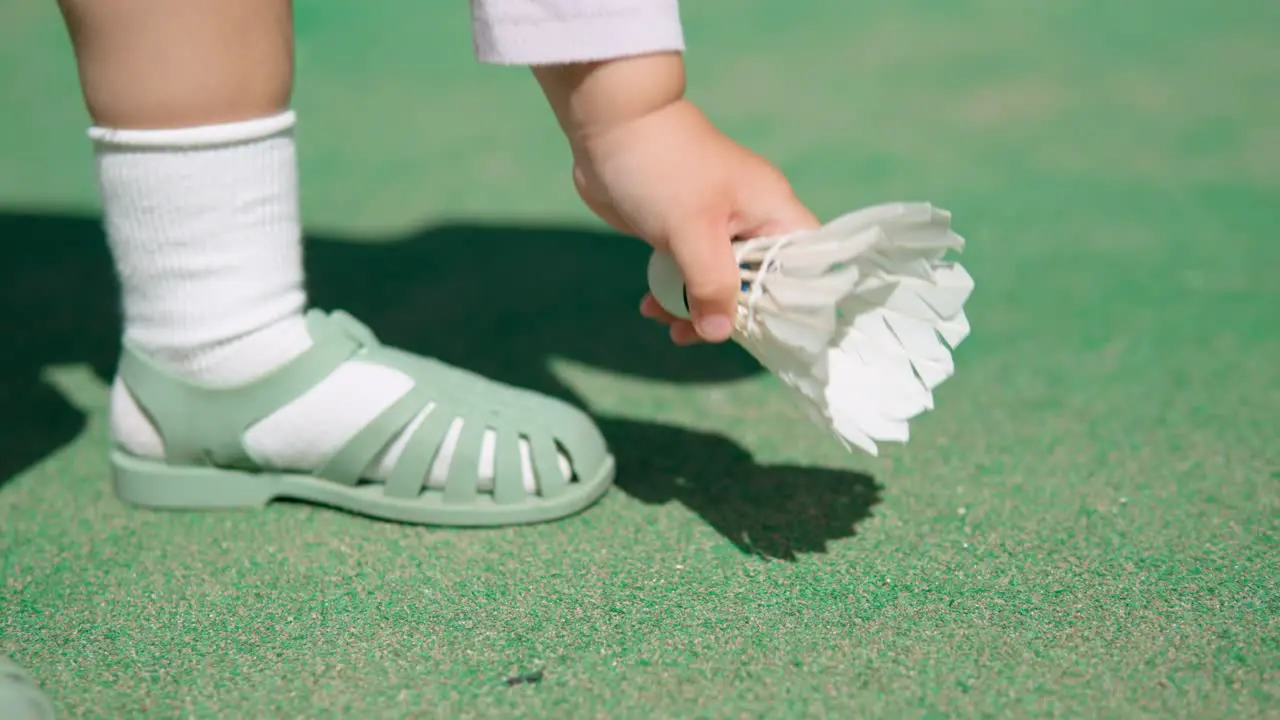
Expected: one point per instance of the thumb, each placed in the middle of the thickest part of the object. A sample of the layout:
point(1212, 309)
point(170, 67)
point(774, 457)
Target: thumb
point(704, 254)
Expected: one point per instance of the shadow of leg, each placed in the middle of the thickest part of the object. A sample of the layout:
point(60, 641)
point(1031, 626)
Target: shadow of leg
point(59, 301)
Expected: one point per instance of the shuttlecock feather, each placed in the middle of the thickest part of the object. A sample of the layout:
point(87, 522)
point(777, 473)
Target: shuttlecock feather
point(859, 317)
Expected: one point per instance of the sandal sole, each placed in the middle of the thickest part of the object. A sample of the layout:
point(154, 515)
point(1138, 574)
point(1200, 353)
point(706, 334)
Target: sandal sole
point(155, 485)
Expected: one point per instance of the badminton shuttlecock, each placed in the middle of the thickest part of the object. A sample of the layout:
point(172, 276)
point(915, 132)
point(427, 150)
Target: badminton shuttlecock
point(859, 317)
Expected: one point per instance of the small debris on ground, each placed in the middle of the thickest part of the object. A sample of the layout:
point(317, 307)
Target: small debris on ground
point(525, 679)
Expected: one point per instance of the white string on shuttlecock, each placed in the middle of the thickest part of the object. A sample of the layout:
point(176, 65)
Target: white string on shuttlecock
point(859, 316)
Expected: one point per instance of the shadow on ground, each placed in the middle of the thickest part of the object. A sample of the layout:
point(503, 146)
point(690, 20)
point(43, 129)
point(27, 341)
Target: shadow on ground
point(500, 300)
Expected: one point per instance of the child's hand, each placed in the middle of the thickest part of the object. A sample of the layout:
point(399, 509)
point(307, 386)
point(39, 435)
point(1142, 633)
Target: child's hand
point(664, 173)
point(674, 180)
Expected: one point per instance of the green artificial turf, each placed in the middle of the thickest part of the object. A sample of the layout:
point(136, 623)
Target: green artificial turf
point(1087, 526)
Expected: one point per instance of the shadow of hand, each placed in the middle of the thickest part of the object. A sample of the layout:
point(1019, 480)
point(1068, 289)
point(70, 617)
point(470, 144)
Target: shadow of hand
point(498, 300)
point(775, 511)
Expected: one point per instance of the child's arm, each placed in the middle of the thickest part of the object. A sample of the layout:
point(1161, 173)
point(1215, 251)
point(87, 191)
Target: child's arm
point(645, 159)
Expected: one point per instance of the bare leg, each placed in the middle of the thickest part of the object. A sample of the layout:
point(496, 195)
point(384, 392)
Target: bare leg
point(151, 64)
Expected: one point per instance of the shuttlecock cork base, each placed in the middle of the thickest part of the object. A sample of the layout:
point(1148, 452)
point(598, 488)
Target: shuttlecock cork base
point(667, 284)
point(859, 316)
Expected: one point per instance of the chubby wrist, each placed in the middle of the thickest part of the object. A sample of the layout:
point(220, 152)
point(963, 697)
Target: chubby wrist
point(591, 100)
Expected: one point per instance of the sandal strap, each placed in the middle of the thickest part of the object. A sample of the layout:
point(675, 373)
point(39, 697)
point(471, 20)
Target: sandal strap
point(508, 475)
point(551, 483)
point(213, 437)
point(348, 464)
point(409, 475)
point(483, 406)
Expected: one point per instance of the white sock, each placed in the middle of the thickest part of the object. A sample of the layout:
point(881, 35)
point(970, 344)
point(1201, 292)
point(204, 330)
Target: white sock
point(203, 224)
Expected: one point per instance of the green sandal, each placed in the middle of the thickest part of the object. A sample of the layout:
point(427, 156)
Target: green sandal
point(207, 466)
point(20, 697)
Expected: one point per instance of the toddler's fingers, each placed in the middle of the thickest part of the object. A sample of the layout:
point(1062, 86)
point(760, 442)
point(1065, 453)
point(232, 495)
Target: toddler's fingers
point(705, 257)
point(682, 333)
point(650, 308)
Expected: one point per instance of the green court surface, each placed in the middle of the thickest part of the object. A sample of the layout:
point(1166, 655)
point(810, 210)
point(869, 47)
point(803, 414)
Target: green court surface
point(1087, 526)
